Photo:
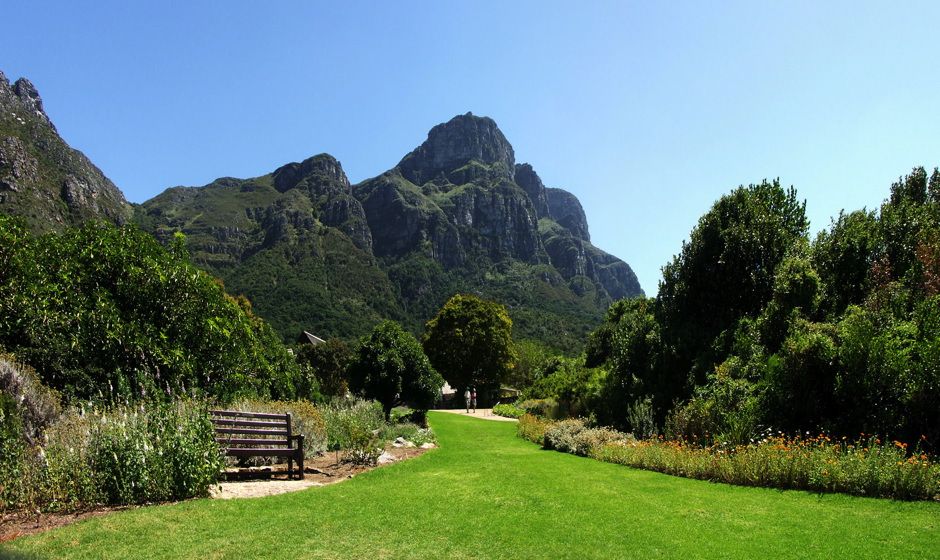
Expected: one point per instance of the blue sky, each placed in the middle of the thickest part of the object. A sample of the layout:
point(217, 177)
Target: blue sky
point(648, 112)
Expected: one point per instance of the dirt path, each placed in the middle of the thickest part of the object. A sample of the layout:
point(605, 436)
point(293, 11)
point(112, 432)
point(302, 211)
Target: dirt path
point(481, 413)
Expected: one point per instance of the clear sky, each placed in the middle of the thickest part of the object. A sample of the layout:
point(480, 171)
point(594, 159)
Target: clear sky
point(648, 112)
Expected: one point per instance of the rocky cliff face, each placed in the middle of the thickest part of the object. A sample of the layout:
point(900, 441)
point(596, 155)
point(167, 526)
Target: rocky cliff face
point(457, 214)
point(453, 145)
point(295, 241)
point(460, 199)
point(42, 179)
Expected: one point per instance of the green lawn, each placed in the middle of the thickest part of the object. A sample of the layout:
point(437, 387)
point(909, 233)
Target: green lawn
point(486, 493)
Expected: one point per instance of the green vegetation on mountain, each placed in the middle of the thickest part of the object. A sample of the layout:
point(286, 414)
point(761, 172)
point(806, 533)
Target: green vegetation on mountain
point(43, 180)
point(314, 253)
point(294, 242)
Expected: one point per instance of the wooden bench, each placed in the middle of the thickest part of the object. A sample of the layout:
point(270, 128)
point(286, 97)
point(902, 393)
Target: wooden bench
point(258, 434)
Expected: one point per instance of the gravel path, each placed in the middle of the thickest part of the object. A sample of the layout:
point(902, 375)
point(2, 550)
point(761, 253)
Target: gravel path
point(482, 413)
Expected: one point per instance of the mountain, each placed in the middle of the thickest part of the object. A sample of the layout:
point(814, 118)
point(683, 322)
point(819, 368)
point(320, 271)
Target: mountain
point(42, 179)
point(457, 214)
point(294, 241)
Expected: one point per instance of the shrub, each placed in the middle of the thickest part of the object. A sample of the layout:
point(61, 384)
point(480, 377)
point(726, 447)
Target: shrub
point(532, 428)
point(561, 435)
point(590, 441)
point(640, 417)
point(145, 453)
point(306, 419)
point(865, 467)
point(363, 447)
point(37, 404)
point(543, 408)
point(403, 414)
point(348, 420)
point(508, 410)
point(410, 432)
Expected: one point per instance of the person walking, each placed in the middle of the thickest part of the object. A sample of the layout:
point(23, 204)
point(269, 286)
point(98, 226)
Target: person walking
point(466, 399)
point(473, 400)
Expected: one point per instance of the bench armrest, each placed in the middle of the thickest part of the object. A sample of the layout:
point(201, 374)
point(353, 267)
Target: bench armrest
point(300, 440)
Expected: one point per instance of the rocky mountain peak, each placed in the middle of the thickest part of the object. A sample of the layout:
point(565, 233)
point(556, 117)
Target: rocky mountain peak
point(565, 208)
point(456, 143)
point(531, 183)
point(21, 96)
point(41, 178)
point(319, 169)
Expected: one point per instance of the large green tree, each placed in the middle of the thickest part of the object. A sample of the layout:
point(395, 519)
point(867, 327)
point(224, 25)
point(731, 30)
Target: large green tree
point(325, 366)
point(107, 312)
point(391, 367)
point(470, 342)
point(726, 271)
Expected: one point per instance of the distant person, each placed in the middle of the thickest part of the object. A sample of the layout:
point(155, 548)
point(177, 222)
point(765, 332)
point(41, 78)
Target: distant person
point(466, 399)
point(473, 400)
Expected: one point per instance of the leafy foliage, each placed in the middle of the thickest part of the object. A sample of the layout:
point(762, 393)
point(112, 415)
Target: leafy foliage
point(470, 342)
point(327, 363)
point(108, 312)
point(120, 455)
point(390, 366)
point(755, 327)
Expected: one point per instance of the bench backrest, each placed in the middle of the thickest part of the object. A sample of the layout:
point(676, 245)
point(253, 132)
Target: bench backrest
point(234, 428)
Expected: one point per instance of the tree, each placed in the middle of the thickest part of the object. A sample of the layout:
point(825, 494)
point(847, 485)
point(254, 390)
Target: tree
point(390, 366)
point(109, 313)
point(726, 271)
point(470, 342)
point(327, 363)
point(843, 256)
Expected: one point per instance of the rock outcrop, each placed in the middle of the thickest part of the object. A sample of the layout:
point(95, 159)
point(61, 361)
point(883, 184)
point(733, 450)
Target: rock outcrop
point(42, 179)
point(453, 146)
point(457, 214)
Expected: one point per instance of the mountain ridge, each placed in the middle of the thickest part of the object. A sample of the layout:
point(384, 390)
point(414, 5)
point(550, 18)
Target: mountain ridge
point(475, 221)
point(313, 251)
point(43, 180)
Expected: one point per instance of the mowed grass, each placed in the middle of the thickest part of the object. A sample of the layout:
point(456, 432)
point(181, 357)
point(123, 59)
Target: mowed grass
point(488, 494)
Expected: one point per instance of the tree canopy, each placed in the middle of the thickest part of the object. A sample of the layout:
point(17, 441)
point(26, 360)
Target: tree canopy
point(390, 366)
point(470, 342)
point(107, 312)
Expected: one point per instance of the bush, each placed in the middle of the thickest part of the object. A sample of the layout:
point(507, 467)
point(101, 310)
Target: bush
point(532, 428)
point(306, 419)
point(108, 313)
point(543, 408)
point(123, 455)
point(640, 417)
point(37, 404)
point(561, 435)
point(403, 414)
point(410, 432)
point(352, 425)
point(508, 410)
point(866, 467)
point(589, 442)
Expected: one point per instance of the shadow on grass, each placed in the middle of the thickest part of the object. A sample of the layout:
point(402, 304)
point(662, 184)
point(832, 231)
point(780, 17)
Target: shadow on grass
point(14, 555)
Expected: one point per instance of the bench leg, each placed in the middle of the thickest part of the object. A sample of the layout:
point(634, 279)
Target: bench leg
point(300, 463)
point(290, 468)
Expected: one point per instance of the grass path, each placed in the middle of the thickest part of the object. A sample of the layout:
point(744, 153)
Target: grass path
point(486, 493)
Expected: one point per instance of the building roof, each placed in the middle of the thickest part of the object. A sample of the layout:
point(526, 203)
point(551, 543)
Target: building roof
point(311, 338)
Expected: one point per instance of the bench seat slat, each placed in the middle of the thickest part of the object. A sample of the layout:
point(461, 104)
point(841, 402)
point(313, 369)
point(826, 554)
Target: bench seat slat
point(245, 441)
point(282, 433)
point(250, 423)
point(260, 451)
point(241, 414)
